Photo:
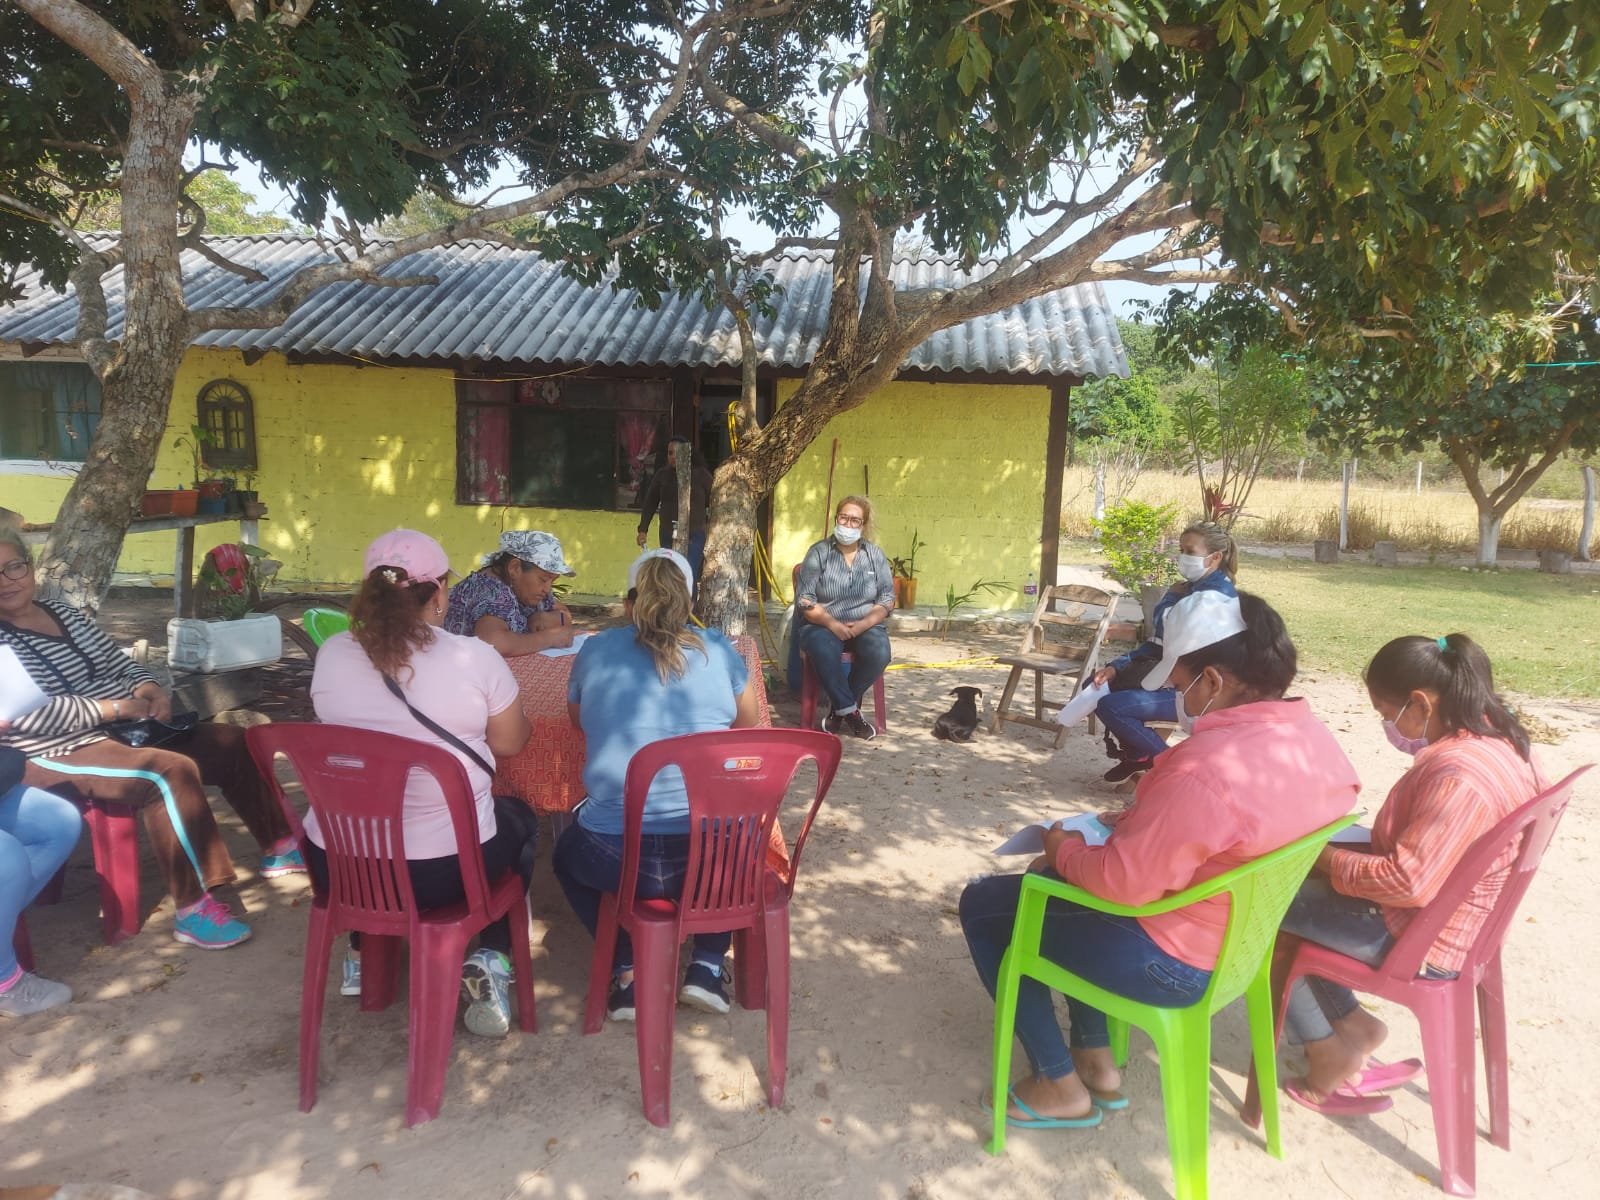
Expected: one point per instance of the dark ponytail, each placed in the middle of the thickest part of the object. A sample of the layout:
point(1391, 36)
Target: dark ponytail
point(1457, 669)
point(1262, 657)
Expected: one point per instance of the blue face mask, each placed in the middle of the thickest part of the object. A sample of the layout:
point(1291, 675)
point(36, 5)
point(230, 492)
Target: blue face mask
point(1402, 743)
point(846, 535)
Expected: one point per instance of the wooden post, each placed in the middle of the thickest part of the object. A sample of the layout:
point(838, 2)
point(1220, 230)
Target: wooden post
point(183, 573)
point(1586, 533)
point(1347, 471)
point(827, 504)
point(1419, 477)
point(1099, 491)
point(1055, 454)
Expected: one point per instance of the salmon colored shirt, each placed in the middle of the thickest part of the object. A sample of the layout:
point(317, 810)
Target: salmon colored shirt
point(1247, 781)
point(1457, 790)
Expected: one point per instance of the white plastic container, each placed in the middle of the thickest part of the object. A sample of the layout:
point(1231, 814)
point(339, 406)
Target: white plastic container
point(211, 646)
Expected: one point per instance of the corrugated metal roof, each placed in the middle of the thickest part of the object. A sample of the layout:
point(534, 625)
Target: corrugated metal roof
point(493, 303)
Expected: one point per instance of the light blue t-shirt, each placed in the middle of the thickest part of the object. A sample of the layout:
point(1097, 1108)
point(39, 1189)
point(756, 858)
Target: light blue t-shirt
point(624, 706)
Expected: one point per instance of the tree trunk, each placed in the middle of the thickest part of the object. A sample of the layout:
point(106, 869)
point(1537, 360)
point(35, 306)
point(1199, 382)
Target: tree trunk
point(730, 541)
point(136, 382)
point(684, 455)
point(1586, 534)
point(1489, 522)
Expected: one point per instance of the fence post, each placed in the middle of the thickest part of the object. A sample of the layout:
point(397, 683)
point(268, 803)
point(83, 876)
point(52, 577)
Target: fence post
point(1419, 477)
point(1347, 471)
point(1586, 534)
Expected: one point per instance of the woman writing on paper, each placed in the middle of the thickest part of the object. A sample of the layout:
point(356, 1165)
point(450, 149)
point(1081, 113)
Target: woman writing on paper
point(1472, 766)
point(510, 601)
point(1256, 772)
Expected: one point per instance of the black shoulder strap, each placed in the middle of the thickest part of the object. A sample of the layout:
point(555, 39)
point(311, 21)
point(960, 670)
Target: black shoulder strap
point(437, 729)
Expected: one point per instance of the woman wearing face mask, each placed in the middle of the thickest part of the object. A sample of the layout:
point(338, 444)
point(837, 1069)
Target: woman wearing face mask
point(1256, 772)
point(844, 595)
point(1473, 766)
point(1208, 561)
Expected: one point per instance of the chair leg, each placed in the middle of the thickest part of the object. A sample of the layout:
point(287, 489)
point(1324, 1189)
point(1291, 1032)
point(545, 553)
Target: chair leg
point(750, 968)
point(1005, 1022)
point(51, 892)
point(808, 695)
point(115, 838)
point(522, 967)
point(777, 955)
point(1005, 700)
point(380, 971)
point(1119, 1040)
point(880, 705)
point(655, 979)
point(313, 995)
point(605, 950)
point(1446, 1018)
point(1264, 1054)
point(20, 945)
point(1492, 1023)
point(1038, 695)
point(435, 983)
point(1183, 1042)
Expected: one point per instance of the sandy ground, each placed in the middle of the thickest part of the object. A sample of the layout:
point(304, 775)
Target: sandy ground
point(174, 1070)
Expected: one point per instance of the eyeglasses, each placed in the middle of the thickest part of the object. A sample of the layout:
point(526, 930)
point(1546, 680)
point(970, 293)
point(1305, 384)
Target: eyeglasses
point(850, 522)
point(16, 568)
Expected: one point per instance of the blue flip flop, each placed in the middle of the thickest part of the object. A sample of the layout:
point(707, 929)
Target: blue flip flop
point(1035, 1120)
point(1108, 1101)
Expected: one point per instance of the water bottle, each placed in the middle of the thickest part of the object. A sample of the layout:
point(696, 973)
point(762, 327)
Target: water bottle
point(1030, 589)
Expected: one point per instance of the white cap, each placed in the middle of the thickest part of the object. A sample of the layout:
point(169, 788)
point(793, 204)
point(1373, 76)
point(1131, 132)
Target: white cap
point(677, 559)
point(1193, 623)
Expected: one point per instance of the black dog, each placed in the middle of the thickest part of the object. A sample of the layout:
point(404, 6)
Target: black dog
point(957, 724)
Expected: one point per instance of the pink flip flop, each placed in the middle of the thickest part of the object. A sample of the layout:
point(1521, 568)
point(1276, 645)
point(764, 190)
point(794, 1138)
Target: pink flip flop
point(1338, 1104)
point(1382, 1077)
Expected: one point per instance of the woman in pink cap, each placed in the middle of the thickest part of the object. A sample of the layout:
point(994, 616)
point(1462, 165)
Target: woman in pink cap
point(398, 671)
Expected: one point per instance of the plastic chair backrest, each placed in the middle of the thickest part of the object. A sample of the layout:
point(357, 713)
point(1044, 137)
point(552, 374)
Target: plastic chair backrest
point(322, 623)
point(736, 781)
point(355, 781)
point(1535, 823)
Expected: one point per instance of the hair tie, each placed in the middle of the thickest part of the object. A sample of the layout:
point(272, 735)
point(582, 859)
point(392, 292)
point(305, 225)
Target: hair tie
point(1443, 644)
point(391, 575)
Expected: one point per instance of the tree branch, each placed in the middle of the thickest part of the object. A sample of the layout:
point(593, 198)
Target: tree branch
point(92, 36)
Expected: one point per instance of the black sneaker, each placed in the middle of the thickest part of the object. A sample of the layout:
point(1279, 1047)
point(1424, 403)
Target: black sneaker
point(619, 1005)
point(705, 987)
point(1127, 769)
point(858, 726)
point(834, 725)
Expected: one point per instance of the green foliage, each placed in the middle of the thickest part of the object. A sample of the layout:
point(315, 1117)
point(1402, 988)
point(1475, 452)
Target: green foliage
point(905, 566)
point(1134, 535)
point(232, 590)
point(955, 601)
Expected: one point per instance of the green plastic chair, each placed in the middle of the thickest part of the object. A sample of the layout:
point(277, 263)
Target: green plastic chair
point(1260, 893)
point(322, 623)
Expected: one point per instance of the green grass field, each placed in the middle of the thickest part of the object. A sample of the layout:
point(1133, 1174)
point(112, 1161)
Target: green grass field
point(1541, 631)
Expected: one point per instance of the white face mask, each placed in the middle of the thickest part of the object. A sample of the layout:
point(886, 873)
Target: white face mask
point(1192, 567)
point(1185, 721)
point(845, 535)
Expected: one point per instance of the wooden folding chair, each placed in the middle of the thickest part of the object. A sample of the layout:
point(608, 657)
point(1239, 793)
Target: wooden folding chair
point(1062, 643)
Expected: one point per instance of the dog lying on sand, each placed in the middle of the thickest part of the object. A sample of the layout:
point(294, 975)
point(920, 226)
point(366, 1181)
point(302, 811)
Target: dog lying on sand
point(957, 724)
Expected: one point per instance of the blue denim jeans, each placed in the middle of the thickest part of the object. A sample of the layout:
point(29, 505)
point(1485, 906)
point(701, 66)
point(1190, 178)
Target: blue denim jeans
point(1111, 951)
point(825, 654)
point(589, 864)
point(1125, 713)
point(38, 830)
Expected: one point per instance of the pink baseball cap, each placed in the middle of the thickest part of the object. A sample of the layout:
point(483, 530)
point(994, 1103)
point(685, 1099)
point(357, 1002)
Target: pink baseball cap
point(416, 554)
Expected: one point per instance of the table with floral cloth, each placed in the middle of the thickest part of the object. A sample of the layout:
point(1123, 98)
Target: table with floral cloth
point(548, 772)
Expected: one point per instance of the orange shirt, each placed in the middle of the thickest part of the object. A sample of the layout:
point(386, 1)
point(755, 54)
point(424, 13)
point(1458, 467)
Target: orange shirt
point(1247, 781)
point(1456, 791)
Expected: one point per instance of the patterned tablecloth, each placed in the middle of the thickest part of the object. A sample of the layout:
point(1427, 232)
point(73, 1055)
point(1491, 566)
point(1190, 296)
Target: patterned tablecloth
point(548, 772)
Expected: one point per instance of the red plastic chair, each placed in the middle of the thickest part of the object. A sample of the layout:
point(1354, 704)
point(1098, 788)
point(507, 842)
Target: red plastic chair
point(114, 837)
point(355, 781)
point(811, 687)
point(1443, 1007)
point(736, 780)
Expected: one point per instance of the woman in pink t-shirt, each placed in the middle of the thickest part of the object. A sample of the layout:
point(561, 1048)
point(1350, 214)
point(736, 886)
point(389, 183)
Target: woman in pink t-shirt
point(1256, 772)
point(464, 687)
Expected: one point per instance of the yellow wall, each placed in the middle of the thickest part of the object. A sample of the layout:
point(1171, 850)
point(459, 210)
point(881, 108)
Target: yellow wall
point(962, 464)
point(345, 453)
point(348, 452)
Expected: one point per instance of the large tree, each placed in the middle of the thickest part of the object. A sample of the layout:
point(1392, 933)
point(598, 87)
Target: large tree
point(1192, 141)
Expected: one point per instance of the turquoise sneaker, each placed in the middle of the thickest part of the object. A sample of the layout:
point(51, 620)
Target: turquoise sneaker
point(350, 980)
point(211, 926)
point(486, 986)
point(274, 865)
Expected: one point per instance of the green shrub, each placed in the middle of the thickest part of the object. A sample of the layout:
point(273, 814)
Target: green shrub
point(1134, 535)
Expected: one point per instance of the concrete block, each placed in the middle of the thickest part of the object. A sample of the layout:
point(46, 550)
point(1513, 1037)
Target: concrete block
point(1386, 554)
point(1555, 562)
point(1325, 550)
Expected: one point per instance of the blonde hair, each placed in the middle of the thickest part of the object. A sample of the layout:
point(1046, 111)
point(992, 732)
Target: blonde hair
point(1216, 539)
point(868, 527)
point(661, 617)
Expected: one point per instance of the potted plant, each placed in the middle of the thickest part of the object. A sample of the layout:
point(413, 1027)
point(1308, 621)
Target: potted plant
point(904, 570)
point(1134, 536)
point(237, 636)
point(244, 492)
point(211, 493)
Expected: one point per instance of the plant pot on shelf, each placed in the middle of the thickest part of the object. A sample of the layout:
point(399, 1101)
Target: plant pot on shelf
point(184, 502)
point(210, 646)
point(213, 496)
point(156, 502)
point(905, 593)
point(252, 509)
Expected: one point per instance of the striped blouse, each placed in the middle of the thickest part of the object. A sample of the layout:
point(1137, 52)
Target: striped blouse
point(76, 668)
point(848, 592)
point(1458, 789)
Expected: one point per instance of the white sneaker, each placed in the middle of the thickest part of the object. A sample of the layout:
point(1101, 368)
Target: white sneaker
point(350, 980)
point(32, 994)
point(486, 986)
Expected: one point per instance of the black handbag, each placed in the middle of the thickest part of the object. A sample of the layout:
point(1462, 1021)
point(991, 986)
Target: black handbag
point(147, 732)
point(12, 764)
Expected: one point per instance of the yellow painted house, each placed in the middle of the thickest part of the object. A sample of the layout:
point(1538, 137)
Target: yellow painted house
point(506, 396)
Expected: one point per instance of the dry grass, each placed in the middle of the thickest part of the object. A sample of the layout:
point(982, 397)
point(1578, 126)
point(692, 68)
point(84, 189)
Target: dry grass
point(1284, 511)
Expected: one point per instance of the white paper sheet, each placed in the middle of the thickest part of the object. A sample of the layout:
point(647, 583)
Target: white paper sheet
point(19, 695)
point(1030, 840)
point(1080, 706)
point(1352, 835)
point(578, 640)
